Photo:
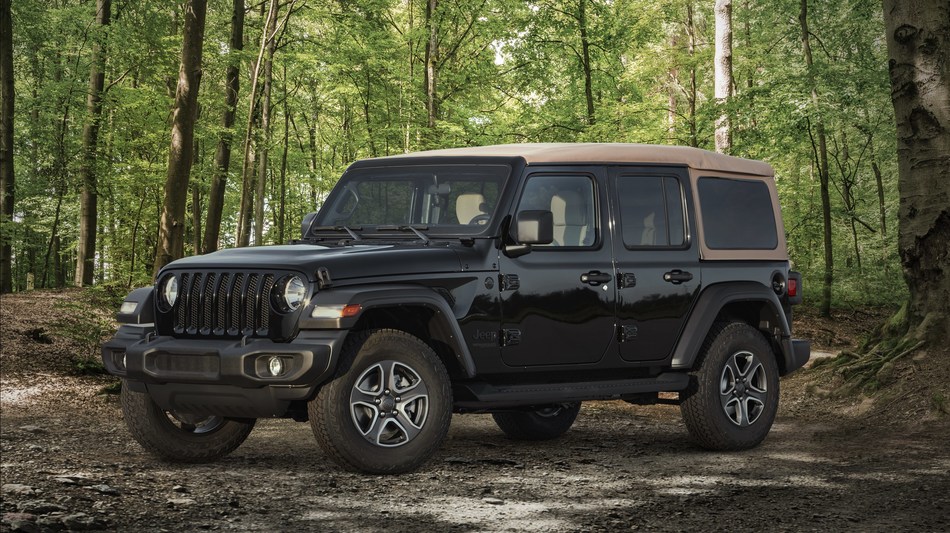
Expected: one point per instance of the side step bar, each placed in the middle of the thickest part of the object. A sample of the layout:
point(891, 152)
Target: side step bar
point(481, 395)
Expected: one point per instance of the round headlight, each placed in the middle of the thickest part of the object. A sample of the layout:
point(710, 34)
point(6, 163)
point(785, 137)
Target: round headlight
point(169, 290)
point(293, 293)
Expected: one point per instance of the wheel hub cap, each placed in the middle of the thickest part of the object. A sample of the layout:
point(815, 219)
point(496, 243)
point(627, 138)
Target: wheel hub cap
point(389, 404)
point(743, 388)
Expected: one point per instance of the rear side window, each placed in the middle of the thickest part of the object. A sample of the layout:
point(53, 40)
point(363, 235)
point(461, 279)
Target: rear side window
point(651, 211)
point(737, 214)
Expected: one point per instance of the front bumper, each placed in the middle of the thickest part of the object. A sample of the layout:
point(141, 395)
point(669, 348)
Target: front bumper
point(221, 377)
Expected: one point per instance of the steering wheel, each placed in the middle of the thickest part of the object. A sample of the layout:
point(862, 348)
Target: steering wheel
point(480, 220)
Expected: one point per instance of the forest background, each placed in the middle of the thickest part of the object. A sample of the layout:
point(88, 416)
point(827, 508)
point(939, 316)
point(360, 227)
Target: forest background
point(292, 91)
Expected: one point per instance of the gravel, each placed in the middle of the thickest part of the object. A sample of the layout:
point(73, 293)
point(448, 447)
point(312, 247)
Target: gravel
point(829, 464)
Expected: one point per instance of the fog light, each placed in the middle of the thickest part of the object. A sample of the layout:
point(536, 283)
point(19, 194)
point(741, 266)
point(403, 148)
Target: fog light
point(118, 359)
point(275, 366)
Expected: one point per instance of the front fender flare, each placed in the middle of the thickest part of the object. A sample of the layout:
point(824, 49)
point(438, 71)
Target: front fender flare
point(394, 296)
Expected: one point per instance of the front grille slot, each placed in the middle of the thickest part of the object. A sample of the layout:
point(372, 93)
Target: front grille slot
point(226, 304)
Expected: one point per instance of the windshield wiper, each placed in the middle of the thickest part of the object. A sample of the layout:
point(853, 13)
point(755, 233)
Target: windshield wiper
point(413, 228)
point(351, 231)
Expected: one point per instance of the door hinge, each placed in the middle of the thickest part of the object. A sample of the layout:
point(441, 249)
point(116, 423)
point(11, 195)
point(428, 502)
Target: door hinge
point(627, 332)
point(627, 280)
point(509, 282)
point(510, 337)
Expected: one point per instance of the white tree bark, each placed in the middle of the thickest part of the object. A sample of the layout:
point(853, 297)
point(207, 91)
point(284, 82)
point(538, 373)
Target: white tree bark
point(918, 45)
point(723, 73)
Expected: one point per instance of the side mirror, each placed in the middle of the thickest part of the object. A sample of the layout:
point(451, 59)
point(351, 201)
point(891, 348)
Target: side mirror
point(530, 227)
point(306, 224)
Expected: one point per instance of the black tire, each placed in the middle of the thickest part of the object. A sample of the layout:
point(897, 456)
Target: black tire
point(181, 438)
point(542, 424)
point(366, 426)
point(733, 391)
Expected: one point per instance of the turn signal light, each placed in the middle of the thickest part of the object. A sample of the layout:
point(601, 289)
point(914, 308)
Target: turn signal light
point(336, 311)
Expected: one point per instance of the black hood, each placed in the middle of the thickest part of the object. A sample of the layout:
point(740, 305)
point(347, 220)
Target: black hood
point(343, 262)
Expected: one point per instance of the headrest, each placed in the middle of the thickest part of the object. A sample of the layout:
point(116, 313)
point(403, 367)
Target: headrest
point(569, 209)
point(469, 206)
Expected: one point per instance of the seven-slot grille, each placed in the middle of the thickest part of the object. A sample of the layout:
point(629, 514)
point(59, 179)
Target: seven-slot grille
point(233, 304)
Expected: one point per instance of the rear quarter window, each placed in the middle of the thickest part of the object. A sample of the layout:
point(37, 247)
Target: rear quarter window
point(737, 214)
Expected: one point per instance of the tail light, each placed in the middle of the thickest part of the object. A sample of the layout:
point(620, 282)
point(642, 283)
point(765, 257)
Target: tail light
point(794, 287)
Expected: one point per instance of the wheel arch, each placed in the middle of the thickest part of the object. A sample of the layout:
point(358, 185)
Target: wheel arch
point(749, 302)
point(419, 311)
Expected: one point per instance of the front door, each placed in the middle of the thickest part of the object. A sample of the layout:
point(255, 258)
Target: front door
point(558, 300)
point(657, 259)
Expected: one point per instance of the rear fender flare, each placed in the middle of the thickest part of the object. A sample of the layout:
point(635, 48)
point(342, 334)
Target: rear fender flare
point(712, 301)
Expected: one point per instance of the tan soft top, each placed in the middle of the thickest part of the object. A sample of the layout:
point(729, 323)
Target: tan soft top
point(608, 153)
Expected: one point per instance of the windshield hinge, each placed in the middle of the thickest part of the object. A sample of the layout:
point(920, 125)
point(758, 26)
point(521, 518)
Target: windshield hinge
point(323, 278)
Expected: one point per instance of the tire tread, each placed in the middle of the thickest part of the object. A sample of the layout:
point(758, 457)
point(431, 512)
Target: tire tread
point(700, 411)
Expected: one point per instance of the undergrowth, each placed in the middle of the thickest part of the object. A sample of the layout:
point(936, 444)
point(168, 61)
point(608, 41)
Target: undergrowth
point(85, 325)
point(871, 366)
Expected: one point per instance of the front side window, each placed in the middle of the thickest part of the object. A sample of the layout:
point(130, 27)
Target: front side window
point(571, 202)
point(651, 211)
point(441, 199)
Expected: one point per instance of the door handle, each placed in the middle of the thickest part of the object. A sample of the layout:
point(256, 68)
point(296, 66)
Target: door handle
point(677, 276)
point(595, 277)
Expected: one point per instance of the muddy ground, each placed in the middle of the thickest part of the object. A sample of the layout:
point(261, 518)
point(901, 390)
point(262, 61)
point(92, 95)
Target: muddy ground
point(829, 464)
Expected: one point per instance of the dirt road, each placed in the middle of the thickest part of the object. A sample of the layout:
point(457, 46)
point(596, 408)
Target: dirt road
point(68, 462)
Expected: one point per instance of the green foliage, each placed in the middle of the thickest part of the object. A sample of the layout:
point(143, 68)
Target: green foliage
point(349, 79)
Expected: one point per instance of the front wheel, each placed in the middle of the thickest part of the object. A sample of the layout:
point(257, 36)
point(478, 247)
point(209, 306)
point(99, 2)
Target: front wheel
point(542, 424)
point(181, 437)
point(733, 392)
point(391, 408)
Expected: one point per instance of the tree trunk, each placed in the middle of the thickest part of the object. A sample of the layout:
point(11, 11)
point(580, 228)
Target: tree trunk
point(135, 234)
point(723, 74)
point(693, 91)
point(247, 169)
point(848, 182)
point(282, 207)
point(171, 232)
point(265, 139)
point(315, 168)
point(88, 206)
point(822, 161)
point(54, 232)
point(585, 60)
point(431, 73)
point(222, 155)
point(196, 216)
point(6, 143)
point(918, 44)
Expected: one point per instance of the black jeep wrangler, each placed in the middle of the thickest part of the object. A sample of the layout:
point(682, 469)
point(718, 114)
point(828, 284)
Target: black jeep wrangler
point(518, 280)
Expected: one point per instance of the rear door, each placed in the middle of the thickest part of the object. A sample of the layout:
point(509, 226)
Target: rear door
point(558, 300)
point(658, 269)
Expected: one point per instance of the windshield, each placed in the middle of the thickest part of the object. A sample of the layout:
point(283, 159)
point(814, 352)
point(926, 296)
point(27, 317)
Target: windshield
point(441, 200)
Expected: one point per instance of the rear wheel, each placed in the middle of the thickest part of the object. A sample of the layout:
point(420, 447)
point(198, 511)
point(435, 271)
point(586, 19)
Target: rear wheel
point(390, 410)
point(733, 393)
point(542, 424)
point(178, 436)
